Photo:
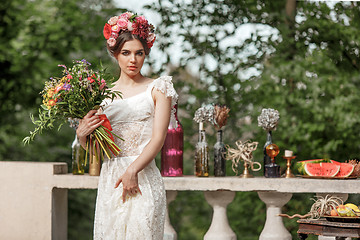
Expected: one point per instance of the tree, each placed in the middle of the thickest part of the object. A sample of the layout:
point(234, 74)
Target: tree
point(301, 58)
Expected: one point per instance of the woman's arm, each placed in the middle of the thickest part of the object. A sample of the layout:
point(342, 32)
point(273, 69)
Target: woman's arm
point(160, 126)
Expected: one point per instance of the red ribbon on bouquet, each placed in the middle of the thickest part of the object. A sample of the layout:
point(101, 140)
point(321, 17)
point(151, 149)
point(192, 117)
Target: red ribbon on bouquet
point(106, 124)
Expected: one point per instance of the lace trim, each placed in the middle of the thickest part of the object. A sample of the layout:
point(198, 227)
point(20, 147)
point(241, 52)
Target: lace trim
point(131, 133)
point(164, 84)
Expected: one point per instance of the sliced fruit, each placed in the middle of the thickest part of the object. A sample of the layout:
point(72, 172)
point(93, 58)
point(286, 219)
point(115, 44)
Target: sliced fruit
point(345, 211)
point(323, 169)
point(334, 213)
point(352, 206)
point(346, 169)
point(301, 164)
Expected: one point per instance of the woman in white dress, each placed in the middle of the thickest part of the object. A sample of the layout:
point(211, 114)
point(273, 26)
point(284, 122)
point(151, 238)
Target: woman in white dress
point(131, 198)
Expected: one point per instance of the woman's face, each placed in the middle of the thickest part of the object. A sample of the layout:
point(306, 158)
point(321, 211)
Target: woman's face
point(131, 57)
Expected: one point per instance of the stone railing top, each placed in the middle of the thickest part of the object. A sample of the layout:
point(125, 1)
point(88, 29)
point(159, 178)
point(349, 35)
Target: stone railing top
point(193, 183)
point(61, 179)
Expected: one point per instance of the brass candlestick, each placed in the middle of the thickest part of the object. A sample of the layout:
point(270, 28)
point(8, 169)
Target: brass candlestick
point(246, 173)
point(288, 173)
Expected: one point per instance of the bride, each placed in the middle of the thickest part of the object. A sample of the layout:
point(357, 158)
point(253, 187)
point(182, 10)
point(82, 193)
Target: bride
point(131, 198)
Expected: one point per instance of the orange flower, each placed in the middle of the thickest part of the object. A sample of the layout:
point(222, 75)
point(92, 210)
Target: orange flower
point(52, 102)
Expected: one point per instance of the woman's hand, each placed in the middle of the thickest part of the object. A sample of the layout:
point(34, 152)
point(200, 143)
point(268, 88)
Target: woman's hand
point(87, 125)
point(130, 184)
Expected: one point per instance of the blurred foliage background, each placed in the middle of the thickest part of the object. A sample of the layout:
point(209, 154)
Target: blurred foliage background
point(301, 58)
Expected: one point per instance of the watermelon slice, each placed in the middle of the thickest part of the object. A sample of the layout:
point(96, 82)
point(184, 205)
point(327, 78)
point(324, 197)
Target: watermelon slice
point(299, 165)
point(322, 169)
point(346, 169)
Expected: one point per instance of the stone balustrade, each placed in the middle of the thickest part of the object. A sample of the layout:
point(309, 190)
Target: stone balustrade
point(33, 195)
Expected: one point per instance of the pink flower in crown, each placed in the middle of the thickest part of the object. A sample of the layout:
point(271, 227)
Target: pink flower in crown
point(151, 37)
point(111, 42)
point(130, 26)
point(126, 15)
point(114, 35)
point(115, 28)
point(113, 20)
point(141, 20)
point(122, 23)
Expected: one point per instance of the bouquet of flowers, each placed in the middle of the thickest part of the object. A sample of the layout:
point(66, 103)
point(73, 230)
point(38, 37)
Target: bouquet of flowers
point(71, 97)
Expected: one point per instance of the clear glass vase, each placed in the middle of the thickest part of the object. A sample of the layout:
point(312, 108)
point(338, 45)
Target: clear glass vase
point(202, 154)
point(172, 151)
point(219, 155)
point(267, 159)
point(78, 157)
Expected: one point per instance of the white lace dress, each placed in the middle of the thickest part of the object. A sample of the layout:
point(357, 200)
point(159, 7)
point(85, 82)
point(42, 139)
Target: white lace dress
point(141, 217)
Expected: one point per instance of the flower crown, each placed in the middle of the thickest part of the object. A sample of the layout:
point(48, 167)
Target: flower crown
point(129, 22)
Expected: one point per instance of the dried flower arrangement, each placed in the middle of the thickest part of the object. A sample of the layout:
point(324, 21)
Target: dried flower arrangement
point(244, 152)
point(268, 119)
point(221, 114)
point(321, 207)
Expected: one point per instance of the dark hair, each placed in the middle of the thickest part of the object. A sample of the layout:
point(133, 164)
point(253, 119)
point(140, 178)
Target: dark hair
point(122, 39)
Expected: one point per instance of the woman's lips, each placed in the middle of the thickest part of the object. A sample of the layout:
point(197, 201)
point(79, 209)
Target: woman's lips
point(132, 68)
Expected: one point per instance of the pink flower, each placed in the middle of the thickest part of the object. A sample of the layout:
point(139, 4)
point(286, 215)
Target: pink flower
point(103, 84)
point(69, 76)
point(115, 28)
point(141, 20)
point(114, 35)
point(130, 26)
point(122, 23)
point(113, 20)
point(91, 80)
point(126, 15)
point(111, 42)
point(151, 37)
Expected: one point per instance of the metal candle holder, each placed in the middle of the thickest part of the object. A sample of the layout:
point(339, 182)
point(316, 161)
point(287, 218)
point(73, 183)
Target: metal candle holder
point(288, 173)
point(246, 173)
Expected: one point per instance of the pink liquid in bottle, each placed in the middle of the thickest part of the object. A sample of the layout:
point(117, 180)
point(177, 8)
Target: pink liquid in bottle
point(172, 151)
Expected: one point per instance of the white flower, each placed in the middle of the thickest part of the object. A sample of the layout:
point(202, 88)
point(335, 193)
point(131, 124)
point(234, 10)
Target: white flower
point(268, 119)
point(113, 20)
point(151, 37)
point(130, 27)
point(111, 42)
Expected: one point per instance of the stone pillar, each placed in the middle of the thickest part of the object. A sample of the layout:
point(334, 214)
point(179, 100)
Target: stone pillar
point(219, 228)
point(30, 208)
point(169, 231)
point(274, 228)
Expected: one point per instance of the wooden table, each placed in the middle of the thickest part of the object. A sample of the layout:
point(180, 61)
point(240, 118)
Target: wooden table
point(323, 227)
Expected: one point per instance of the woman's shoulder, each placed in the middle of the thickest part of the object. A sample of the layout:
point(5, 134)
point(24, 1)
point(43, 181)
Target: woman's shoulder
point(162, 80)
point(165, 85)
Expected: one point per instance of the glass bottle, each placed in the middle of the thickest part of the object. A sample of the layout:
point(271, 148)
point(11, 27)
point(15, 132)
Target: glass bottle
point(219, 156)
point(172, 150)
point(267, 159)
point(202, 154)
point(78, 157)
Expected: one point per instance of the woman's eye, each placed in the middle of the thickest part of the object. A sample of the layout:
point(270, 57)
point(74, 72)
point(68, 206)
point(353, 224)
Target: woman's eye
point(125, 53)
point(140, 53)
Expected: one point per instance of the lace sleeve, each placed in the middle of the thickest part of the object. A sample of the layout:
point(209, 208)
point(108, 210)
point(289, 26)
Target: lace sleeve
point(164, 84)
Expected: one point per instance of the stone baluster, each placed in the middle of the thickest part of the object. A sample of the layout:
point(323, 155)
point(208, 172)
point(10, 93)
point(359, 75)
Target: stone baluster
point(274, 228)
point(219, 228)
point(169, 231)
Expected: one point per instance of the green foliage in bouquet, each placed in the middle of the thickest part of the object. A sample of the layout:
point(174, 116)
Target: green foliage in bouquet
point(71, 97)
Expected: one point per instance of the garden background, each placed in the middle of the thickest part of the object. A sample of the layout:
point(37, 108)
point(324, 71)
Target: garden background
point(301, 58)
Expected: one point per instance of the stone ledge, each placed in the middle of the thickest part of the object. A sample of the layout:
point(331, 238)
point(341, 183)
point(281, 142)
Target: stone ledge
point(192, 183)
